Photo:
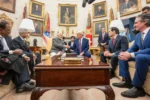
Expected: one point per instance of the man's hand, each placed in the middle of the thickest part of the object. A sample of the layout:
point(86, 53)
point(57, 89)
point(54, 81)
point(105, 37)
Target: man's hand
point(124, 56)
point(67, 46)
point(102, 44)
point(110, 54)
point(17, 51)
point(81, 54)
point(106, 53)
point(26, 58)
point(34, 56)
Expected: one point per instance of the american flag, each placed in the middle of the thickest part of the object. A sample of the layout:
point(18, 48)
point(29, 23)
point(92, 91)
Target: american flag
point(46, 32)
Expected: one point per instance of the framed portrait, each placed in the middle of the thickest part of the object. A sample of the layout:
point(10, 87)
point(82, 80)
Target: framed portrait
point(148, 1)
point(126, 7)
point(99, 9)
point(36, 9)
point(8, 5)
point(98, 25)
point(67, 14)
point(38, 24)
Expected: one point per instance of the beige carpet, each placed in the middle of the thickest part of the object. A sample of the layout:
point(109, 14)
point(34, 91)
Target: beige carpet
point(26, 95)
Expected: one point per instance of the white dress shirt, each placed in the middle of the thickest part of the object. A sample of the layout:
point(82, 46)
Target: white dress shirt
point(5, 45)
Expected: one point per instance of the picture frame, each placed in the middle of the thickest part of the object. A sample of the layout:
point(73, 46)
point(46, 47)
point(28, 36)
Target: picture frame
point(38, 24)
point(98, 25)
point(8, 5)
point(147, 1)
point(67, 14)
point(130, 7)
point(36, 9)
point(99, 9)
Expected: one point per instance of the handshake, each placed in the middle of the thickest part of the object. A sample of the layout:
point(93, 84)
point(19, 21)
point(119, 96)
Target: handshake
point(67, 46)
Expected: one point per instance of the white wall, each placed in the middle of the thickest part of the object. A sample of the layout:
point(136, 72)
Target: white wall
point(51, 6)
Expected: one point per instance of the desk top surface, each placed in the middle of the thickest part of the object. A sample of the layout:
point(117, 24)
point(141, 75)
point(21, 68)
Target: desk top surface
point(55, 62)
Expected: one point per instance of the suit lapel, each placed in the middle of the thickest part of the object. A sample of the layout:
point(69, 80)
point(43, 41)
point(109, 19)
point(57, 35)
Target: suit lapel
point(8, 41)
point(1, 45)
point(146, 38)
point(22, 43)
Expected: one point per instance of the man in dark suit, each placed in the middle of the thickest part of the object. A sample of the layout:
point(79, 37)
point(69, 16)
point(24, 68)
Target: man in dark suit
point(21, 78)
point(70, 43)
point(140, 53)
point(100, 11)
point(116, 45)
point(20, 43)
point(81, 45)
point(103, 38)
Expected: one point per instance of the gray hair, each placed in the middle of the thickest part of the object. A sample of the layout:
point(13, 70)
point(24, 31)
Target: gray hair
point(145, 18)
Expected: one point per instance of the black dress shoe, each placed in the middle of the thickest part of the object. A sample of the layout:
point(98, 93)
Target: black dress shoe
point(133, 93)
point(123, 84)
point(24, 87)
point(31, 83)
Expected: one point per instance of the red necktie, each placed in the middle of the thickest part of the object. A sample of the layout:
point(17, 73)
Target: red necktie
point(102, 36)
point(80, 47)
point(113, 41)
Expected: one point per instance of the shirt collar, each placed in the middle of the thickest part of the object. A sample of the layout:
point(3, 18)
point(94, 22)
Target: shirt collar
point(22, 38)
point(146, 30)
point(115, 37)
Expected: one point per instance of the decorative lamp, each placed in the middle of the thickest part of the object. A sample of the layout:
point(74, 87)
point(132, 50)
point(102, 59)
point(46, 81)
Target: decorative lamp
point(26, 26)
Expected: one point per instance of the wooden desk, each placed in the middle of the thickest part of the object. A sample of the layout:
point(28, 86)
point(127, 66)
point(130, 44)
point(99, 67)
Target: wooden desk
point(53, 73)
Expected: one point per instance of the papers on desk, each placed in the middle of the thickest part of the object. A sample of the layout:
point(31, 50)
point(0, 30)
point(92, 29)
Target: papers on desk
point(78, 57)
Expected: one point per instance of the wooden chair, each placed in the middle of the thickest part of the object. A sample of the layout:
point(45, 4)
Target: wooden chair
point(5, 17)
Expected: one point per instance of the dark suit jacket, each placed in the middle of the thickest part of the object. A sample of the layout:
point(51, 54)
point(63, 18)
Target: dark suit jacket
point(85, 45)
point(17, 65)
point(19, 44)
point(69, 43)
point(10, 45)
point(121, 44)
point(139, 47)
point(106, 39)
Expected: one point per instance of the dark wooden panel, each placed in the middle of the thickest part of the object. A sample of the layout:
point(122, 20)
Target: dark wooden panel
point(75, 77)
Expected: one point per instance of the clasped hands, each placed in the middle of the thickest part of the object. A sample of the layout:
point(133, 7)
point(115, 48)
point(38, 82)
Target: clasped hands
point(124, 56)
point(68, 47)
